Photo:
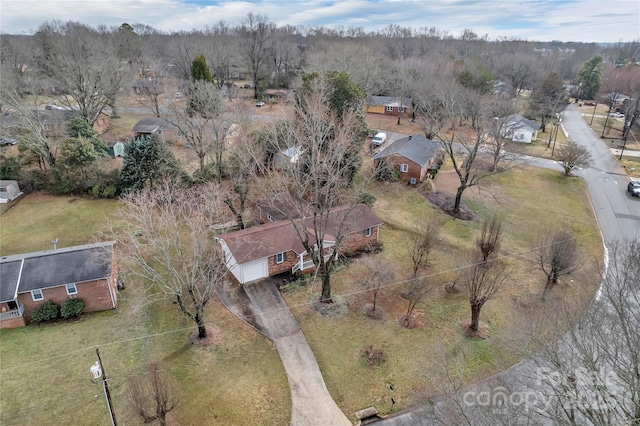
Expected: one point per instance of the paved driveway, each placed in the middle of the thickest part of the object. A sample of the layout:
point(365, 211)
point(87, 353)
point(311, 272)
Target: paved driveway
point(262, 306)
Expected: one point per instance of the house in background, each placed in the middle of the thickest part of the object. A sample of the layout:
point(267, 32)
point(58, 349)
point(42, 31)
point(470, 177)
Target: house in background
point(150, 126)
point(413, 156)
point(284, 159)
point(518, 129)
point(275, 247)
point(86, 272)
point(388, 105)
point(9, 191)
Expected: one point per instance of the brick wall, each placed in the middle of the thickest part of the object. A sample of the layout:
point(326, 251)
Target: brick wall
point(13, 323)
point(290, 259)
point(357, 240)
point(95, 295)
point(415, 171)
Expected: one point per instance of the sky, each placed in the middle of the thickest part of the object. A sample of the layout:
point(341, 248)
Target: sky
point(534, 20)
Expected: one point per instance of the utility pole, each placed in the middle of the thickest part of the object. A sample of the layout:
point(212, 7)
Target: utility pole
point(594, 113)
point(627, 126)
point(98, 371)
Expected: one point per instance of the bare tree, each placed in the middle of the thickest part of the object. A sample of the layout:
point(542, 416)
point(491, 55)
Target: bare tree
point(557, 255)
point(573, 156)
point(483, 281)
point(319, 185)
point(423, 239)
point(592, 375)
point(255, 45)
point(498, 144)
point(488, 242)
point(154, 396)
point(375, 276)
point(166, 241)
point(414, 291)
point(202, 123)
point(30, 127)
point(85, 70)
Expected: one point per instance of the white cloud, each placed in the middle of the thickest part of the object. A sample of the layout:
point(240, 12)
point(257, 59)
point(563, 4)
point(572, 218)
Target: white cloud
point(577, 20)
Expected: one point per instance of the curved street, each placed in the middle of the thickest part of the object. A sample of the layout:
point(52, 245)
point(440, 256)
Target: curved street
point(618, 216)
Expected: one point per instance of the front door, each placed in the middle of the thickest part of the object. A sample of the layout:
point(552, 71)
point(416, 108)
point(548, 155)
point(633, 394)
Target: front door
point(12, 305)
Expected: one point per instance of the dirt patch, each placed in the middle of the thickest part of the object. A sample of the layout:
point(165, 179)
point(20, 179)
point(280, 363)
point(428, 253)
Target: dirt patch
point(214, 336)
point(445, 201)
point(330, 310)
point(481, 333)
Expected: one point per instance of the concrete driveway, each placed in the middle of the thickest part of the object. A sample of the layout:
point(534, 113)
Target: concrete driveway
point(261, 305)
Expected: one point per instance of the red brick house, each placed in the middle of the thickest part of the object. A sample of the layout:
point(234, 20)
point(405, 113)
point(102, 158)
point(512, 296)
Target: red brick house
point(413, 156)
point(86, 272)
point(275, 247)
point(388, 105)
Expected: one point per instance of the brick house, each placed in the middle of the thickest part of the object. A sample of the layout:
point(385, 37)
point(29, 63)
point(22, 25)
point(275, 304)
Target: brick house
point(388, 105)
point(27, 280)
point(275, 248)
point(413, 156)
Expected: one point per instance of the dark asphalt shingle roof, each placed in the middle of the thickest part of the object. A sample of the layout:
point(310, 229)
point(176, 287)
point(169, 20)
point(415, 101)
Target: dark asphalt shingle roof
point(515, 119)
point(152, 125)
point(416, 148)
point(52, 268)
point(388, 100)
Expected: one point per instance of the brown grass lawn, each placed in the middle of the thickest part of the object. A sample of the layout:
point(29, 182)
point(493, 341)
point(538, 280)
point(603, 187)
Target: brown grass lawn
point(527, 200)
point(390, 123)
point(44, 370)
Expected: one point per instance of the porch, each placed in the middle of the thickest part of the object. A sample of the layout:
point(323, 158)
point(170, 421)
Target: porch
point(303, 265)
point(13, 318)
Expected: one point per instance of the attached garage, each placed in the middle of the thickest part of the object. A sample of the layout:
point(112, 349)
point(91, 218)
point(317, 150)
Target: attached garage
point(255, 270)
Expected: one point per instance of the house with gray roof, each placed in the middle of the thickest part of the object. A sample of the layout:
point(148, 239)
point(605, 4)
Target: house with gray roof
point(518, 129)
point(27, 280)
point(155, 126)
point(388, 105)
point(413, 156)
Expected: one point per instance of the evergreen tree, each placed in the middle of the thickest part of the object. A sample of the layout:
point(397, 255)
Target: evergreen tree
point(147, 162)
point(79, 128)
point(589, 78)
point(200, 70)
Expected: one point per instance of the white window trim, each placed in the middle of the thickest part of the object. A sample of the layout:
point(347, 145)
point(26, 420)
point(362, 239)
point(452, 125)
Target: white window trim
point(389, 108)
point(404, 168)
point(368, 232)
point(33, 295)
point(75, 287)
point(279, 255)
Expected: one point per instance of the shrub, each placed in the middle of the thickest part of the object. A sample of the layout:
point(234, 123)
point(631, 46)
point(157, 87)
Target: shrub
point(48, 311)
point(367, 198)
point(71, 308)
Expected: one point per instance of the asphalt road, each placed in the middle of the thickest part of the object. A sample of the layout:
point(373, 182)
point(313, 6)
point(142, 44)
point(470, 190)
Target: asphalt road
point(618, 215)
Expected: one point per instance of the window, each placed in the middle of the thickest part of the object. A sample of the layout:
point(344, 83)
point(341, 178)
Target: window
point(400, 109)
point(71, 289)
point(389, 108)
point(269, 217)
point(367, 232)
point(36, 295)
point(279, 257)
point(404, 168)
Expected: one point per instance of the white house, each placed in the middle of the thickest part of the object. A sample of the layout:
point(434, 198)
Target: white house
point(518, 129)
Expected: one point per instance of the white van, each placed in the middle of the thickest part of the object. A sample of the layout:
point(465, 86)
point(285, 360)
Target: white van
point(379, 139)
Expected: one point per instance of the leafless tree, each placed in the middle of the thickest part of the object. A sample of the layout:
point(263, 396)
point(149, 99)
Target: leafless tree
point(483, 281)
point(573, 156)
point(375, 276)
point(463, 149)
point(154, 396)
point(319, 185)
point(498, 144)
point(423, 239)
point(591, 376)
point(488, 242)
point(30, 129)
point(85, 70)
point(255, 45)
point(165, 239)
point(557, 255)
point(414, 291)
point(202, 124)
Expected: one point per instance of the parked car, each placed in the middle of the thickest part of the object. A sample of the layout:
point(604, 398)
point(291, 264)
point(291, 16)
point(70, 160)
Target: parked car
point(8, 141)
point(379, 139)
point(634, 188)
point(590, 103)
point(259, 104)
point(616, 115)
